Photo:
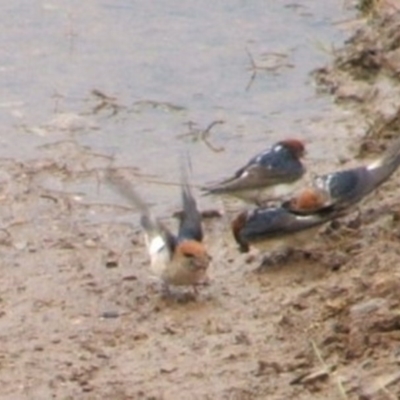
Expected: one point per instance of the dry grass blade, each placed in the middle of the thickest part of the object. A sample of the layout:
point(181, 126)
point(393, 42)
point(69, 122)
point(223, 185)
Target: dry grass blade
point(389, 395)
point(203, 134)
point(328, 368)
point(168, 183)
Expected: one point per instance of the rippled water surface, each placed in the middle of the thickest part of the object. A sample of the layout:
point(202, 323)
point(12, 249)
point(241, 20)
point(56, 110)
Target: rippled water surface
point(138, 80)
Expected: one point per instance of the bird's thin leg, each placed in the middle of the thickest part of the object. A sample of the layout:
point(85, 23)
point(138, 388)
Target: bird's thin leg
point(195, 290)
point(165, 289)
point(276, 259)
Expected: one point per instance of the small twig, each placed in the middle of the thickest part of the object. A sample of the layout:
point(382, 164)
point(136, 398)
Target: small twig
point(206, 133)
point(106, 102)
point(253, 68)
point(211, 125)
point(203, 135)
point(268, 68)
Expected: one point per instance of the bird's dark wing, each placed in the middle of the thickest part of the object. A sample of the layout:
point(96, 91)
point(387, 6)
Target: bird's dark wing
point(148, 222)
point(190, 220)
point(271, 222)
point(266, 169)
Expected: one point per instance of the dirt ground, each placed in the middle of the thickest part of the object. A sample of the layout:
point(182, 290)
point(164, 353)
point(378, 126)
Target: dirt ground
point(81, 319)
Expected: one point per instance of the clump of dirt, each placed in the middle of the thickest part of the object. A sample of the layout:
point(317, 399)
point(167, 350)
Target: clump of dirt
point(365, 75)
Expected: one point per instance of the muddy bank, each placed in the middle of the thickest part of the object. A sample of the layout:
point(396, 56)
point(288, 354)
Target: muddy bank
point(365, 76)
point(81, 319)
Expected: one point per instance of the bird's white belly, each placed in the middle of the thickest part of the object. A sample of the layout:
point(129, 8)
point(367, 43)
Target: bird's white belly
point(169, 269)
point(266, 193)
point(300, 240)
point(159, 253)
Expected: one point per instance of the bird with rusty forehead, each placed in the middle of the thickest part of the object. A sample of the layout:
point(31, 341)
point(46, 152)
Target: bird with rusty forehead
point(270, 174)
point(276, 228)
point(179, 260)
point(339, 191)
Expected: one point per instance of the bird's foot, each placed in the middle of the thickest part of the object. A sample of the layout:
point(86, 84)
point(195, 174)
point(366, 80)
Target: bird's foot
point(165, 290)
point(275, 259)
point(177, 295)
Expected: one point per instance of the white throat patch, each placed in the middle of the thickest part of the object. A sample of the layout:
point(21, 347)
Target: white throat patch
point(156, 245)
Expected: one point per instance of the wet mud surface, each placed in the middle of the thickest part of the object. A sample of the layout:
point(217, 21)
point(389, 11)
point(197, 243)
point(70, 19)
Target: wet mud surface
point(81, 318)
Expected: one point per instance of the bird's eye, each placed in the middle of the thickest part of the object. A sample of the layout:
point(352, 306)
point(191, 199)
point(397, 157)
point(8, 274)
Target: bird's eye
point(188, 255)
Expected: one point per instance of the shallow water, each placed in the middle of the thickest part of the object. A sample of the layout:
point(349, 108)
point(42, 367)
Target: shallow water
point(167, 69)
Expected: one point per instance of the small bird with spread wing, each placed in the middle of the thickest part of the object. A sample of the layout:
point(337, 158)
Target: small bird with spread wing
point(177, 260)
